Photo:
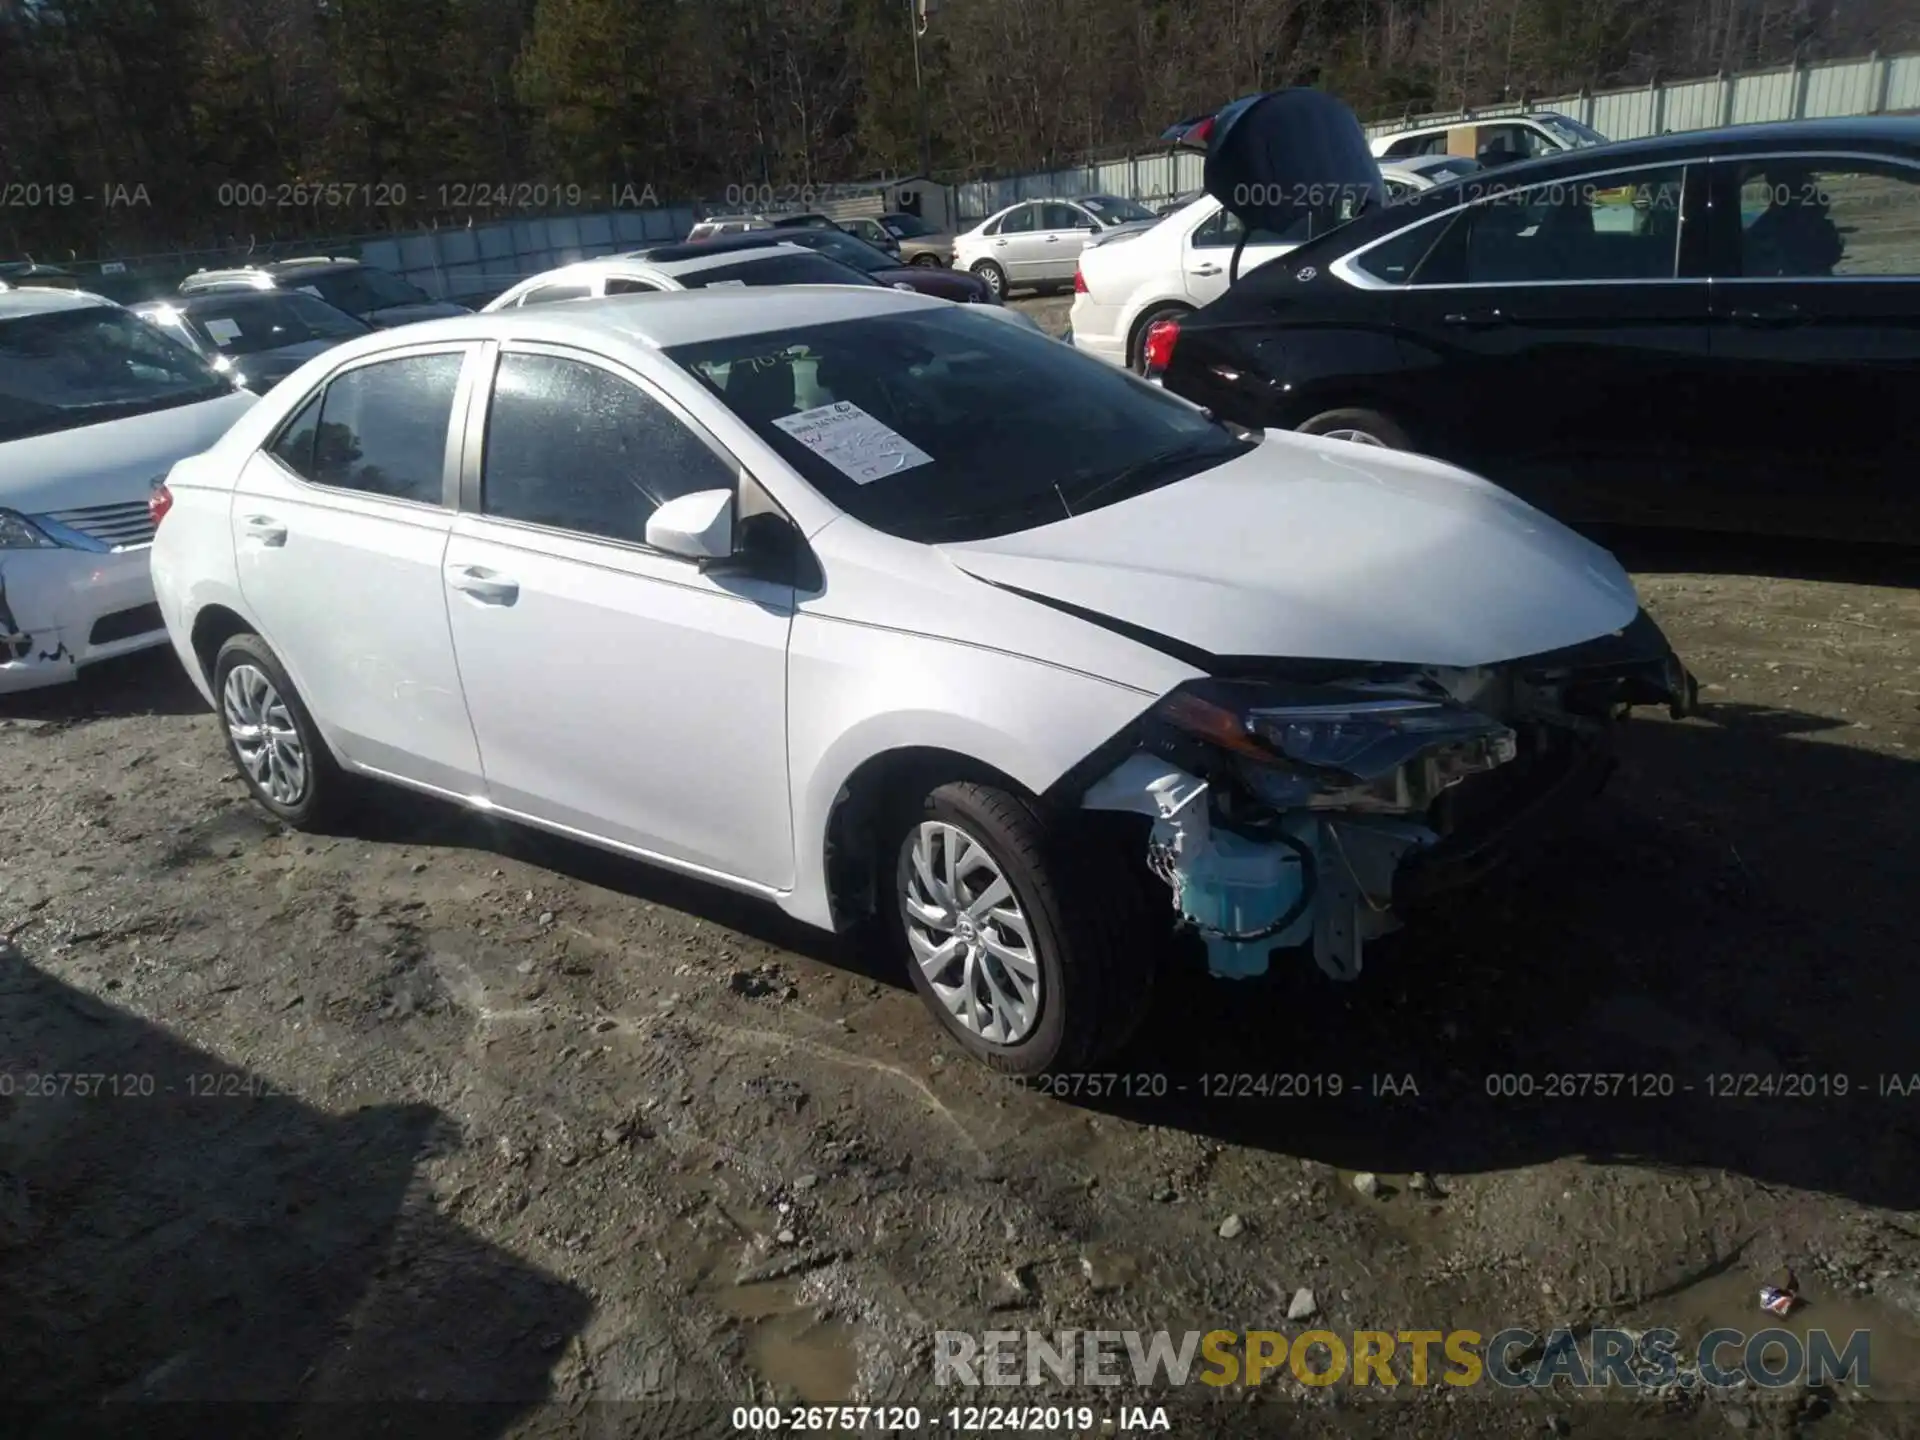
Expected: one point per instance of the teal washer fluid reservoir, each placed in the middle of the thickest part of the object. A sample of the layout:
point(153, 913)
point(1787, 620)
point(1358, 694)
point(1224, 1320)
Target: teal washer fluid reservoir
point(1229, 885)
point(1240, 887)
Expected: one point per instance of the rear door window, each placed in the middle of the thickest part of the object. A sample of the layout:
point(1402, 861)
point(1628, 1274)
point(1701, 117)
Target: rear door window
point(382, 428)
point(1018, 221)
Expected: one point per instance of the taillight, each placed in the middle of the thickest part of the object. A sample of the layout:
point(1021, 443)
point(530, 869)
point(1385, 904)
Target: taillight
point(1079, 281)
point(159, 503)
point(1157, 352)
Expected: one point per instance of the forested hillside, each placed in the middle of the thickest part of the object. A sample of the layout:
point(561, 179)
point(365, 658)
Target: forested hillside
point(165, 122)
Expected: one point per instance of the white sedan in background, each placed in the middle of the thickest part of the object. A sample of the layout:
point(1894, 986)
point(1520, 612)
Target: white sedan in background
point(1127, 281)
point(95, 407)
point(887, 611)
point(1035, 244)
point(636, 275)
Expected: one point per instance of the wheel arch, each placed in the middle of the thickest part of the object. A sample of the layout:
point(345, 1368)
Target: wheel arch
point(850, 845)
point(1161, 307)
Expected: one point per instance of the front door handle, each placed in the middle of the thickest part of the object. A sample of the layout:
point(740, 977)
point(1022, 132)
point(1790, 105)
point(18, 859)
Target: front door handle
point(1051, 239)
point(484, 586)
point(266, 529)
point(1477, 319)
point(1764, 315)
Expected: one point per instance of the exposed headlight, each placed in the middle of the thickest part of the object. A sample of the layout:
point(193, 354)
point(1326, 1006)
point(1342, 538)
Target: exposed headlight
point(1318, 748)
point(19, 533)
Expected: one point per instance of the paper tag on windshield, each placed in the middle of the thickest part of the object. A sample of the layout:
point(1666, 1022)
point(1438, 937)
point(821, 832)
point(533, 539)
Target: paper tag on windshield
point(222, 331)
point(727, 284)
point(853, 442)
point(312, 290)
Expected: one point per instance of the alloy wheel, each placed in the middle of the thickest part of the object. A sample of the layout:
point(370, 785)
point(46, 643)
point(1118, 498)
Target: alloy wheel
point(264, 735)
point(968, 933)
point(1355, 437)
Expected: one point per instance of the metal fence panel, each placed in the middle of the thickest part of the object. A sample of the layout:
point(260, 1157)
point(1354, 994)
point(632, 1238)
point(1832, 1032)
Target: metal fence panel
point(1902, 83)
point(1696, 105)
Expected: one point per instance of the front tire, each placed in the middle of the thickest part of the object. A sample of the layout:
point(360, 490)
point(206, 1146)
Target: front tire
point(927, 260)
point(1030, 961)
point(271, 737)
point(1362, 427)
point(992, 276)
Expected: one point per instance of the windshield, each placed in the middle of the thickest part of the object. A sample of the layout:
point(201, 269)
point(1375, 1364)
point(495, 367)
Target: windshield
point(248, 324)
point(907, 227)
point(776, 270)
point(847, 249)
point(71, 368)
point(359, 290)
point(881, 415)
point(1572, 132)
point(1111, 210)
point(1451, 168)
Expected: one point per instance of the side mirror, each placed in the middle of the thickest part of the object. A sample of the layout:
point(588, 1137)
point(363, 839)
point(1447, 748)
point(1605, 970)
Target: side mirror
point(696, 527)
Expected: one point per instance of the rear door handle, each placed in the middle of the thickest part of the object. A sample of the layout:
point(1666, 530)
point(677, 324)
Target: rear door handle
point(1206, 270)
point(1783, 314)
point(484, 586)
point(1051, 239)
point(266, 529)
point(1477, 319)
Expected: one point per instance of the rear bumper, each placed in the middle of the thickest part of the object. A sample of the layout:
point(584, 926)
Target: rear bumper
point(62, 609)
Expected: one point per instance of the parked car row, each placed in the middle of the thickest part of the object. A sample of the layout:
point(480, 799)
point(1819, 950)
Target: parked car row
point(1716, 329)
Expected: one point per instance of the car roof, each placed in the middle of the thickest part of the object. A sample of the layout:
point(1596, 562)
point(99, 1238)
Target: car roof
point(664, 320)
point(16, 304)
point(697, 257)
point(311, 265)
point(753, 240)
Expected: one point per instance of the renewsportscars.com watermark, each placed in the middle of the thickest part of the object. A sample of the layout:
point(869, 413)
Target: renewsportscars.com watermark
point(1512, 1359)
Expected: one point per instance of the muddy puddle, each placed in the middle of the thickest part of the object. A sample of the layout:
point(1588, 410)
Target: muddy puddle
point(791, 1345)
point(1732, 1302)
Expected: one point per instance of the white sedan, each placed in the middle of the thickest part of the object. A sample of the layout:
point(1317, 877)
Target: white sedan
point(892, 613)
point(95, 406)
point(1128, 280)
point(1036, 243)
point(638, 275)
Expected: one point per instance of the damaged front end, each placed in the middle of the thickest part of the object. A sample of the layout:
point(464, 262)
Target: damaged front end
point(1296, 805)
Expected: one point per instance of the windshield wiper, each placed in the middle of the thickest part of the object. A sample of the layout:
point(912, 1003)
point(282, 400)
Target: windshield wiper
point(1156, 467)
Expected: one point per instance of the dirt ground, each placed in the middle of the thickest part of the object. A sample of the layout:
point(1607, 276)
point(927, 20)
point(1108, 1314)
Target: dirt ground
point(437, 1110)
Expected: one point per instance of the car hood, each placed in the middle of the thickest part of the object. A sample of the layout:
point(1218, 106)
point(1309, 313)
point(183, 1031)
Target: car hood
point(272, 366)
point(1317, 549)
point(946, 284)
point(114, 462)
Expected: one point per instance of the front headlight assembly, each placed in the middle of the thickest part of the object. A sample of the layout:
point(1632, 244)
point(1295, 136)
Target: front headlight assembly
point(1324, 747)
point(19, 533)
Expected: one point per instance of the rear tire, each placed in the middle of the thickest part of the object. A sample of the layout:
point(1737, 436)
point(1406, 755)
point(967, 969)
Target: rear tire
point(1362, 427)
point(1137, 342)
point(992, 276)
point(271, 737)
point(925, 259)
point(1051, 975)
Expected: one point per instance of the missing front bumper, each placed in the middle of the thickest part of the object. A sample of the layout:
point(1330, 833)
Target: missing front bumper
point(1268, 844)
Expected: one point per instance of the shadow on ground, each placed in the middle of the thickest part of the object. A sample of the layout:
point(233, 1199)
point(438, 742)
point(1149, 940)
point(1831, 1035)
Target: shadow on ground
point(171, 1229)
point(1730, 908)
point(1738, 904)
point(1680, 552)
point(151, 682)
